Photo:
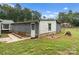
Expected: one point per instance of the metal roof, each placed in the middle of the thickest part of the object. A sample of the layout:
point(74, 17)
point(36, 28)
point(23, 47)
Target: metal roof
point(6, 21)
point(32, 21)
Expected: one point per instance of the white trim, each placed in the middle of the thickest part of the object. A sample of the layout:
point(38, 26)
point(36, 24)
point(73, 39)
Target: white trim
point(4, 28)
point(9, 26)
point(33, 32)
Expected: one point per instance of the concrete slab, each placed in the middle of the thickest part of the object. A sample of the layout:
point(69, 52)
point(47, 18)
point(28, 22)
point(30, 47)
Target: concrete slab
point(12, 38)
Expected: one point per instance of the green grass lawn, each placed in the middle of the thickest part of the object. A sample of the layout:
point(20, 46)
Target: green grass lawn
point(44, 46)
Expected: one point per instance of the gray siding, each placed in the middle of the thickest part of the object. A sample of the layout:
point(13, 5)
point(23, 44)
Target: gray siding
point(21, 28)
point(37, 29)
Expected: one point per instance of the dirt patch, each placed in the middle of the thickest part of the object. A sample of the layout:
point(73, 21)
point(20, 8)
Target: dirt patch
point(50, 36)
point(54, 36)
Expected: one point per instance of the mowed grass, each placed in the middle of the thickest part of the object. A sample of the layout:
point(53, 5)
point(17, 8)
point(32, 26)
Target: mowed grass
point(44, 46)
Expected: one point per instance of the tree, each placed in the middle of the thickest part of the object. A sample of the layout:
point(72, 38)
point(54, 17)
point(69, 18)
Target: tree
point(2, 15)
point(17, 6)
point(44, 17)
point(36, 15)
point(70, 17)
point(70, 12)
point(28, 15)
point(76, 19)
point(18, 14)
point(4, 11)
point(62, 17)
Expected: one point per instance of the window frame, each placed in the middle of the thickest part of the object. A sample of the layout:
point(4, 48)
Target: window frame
point(33, 26)
point(49, 26)
point(4, 26)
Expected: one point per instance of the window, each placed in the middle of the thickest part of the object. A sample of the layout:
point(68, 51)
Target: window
point(33, 26)
point(49, 27)
point(5, 26)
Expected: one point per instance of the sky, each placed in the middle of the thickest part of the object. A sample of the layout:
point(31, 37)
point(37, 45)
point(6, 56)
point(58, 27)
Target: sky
point(50, 10)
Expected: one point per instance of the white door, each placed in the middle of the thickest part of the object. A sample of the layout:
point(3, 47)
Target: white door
point(32, 30)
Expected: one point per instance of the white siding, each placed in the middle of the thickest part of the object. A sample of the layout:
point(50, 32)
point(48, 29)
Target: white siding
point(43, 26)
point(58, 29)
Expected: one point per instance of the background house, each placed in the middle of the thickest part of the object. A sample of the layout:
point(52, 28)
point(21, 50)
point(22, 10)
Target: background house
point(66, 25)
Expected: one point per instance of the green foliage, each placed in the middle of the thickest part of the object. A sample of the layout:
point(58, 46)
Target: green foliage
point(2, 15)
point(17, 6)
point(70, 17)
point(36, 15)
point(18, 14)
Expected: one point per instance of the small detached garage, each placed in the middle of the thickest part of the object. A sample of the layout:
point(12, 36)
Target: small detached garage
point(29, 28)
point(5, 25)
point(36, 28)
